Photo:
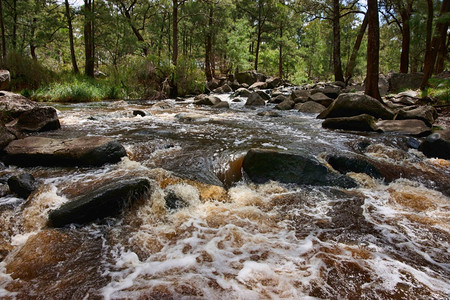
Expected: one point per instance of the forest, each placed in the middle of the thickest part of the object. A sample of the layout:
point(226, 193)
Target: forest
point(156, 49)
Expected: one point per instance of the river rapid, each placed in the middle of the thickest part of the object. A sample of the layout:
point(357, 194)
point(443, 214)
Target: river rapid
point(386, 239)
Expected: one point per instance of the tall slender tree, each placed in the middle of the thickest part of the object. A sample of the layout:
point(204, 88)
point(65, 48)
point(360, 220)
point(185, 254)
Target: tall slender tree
point(2, 28)
point(89, 42)
point(373, 48)
point(72, 46)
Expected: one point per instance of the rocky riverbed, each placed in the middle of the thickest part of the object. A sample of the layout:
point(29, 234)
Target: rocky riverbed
point(192, 199)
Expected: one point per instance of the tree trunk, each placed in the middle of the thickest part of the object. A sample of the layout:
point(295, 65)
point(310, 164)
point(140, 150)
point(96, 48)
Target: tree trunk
point(406, 39)
point(280, 56)
point(429, 30)
point(258, 34)
point(14, 31)
point(2, 28)
point(208, 46)
point(373, 47)
point(430, 61)
point(174, 88)
point(352, 60)
point(442, 51)
point(89, 37)
point(72, 47)
point(337, 65)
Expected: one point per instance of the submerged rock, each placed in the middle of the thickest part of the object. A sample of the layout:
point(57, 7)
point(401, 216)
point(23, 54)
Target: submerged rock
point(22, 185)
point(106, 201)
point(210, 100)
point(437, 145)
point(353, 104)
point(357, 164)
point(85, 151)
point(264, 165)
point(358, 123)
point(138, 112)
point(268, 113)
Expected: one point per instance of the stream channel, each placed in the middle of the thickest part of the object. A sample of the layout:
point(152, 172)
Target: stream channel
point(386, 239)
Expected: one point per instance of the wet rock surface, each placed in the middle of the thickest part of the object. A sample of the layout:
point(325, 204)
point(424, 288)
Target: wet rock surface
point(264, 165)
point(87, 151)
point(106, 201)
point(22, 185)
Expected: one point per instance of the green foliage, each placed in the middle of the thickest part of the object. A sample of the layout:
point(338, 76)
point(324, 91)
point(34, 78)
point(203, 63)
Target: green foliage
point(439, 89)
point(73, 88)
point(26, 73)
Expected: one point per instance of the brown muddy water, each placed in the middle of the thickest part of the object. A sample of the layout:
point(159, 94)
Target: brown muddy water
point(387, 239)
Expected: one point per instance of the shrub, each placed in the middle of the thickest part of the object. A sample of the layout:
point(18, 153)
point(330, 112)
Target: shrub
point(77, 88)
point(26, 73)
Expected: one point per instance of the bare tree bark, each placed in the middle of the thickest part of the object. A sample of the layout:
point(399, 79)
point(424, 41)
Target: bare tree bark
point(337, 65)
point(373, 47)
point(352, 60)
point(280, 54)
point(89, 38)
point(406, 41)
point(2, 27)
point(14, 31)
point(174, 88)
point(72, 47)
point(208, 46)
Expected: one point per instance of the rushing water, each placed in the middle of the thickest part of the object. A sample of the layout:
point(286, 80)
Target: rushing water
point(236, 240)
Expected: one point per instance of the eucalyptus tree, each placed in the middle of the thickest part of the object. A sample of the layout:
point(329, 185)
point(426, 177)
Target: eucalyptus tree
point(373, 48)
point(333, 11)
point(73, 57)
point(400, 12)
point(259, 13)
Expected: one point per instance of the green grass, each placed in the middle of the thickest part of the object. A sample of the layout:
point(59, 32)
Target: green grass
point(74, 89)
point(438, 89)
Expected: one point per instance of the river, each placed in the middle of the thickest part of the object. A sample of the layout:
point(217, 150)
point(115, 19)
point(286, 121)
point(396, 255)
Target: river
point(386, 239)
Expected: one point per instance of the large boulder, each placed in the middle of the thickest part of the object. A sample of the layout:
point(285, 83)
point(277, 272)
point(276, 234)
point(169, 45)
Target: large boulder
point(330, 91)
point(5, 79)
point(274, 82)
point(255, 100)
point(85, 151)
point(285, 105)
point(22, 185)
point(437, 145)
point(300, 96)
point(310, 107)
point(321, 98)
point(410, 127)
point(357, 123)
point(246, 77)
point(108, 200)
point(242, 92)
point(354, 104)
point(399, 82)
point(22, 114)
point(262, 166)
point(428, 114)
point(6, 136)
point(259, 85)
point(263, 95)
point(278, 98)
